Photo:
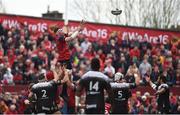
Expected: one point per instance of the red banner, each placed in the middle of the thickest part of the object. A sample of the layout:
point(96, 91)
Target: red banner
point(94, 32)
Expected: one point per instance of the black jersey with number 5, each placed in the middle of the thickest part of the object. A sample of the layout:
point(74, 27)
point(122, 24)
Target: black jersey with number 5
point(45, 94)
point(122, 93)
point(94, 84)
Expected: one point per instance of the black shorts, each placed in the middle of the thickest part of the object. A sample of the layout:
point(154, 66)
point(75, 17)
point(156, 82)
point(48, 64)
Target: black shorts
point(67, 63)
point(120, 108)
point(46, 112)
point(120, 111)
point(94, 111)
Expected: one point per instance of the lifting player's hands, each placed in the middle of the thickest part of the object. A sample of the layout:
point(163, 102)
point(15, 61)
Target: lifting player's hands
point(26, 102)
point(65, 76)
point(57, 71)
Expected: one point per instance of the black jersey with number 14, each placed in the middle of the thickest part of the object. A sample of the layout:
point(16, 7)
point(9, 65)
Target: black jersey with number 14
point(94, 84)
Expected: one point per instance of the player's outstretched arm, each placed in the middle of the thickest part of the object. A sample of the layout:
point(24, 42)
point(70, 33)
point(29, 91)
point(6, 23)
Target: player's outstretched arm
point(60, 75)
point(57, 74)
point(138, 82)
point(74, 34)
point(54, 29)
point(79, 89)
point(69, 83)
point(154, 86)
point(110, 95)
point(66, 77)
point(160, 91)
point(137, 79)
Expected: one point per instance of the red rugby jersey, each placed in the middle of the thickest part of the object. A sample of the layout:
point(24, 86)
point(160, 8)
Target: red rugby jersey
point(63, 49)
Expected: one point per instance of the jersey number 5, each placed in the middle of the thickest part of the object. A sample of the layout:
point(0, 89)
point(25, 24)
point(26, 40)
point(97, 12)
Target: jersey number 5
point(94, 86)
point(120, 94)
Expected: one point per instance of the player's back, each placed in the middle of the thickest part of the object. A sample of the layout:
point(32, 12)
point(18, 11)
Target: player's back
point(121, 95)
point(45, 97)
point(94, 83)
point(165, 95)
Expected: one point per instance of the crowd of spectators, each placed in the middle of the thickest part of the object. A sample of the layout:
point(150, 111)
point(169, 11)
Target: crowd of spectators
point(25, 55)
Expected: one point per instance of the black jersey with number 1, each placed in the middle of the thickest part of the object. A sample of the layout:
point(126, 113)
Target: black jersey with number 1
point(94, 84)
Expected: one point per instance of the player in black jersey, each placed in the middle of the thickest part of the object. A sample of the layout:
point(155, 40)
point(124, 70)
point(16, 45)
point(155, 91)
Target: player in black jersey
point(94, 83)
point(121, 93)
point(44, 94)
point(162, 93)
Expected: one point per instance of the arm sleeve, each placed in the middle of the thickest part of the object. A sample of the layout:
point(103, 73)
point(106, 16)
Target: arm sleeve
point(132, 85)
point(81, 82)
point(55, 83)
point(79, 87)
point(109, 91)
point(33, 89)
point(58, 82)
point(165, 86)
point(129, 94)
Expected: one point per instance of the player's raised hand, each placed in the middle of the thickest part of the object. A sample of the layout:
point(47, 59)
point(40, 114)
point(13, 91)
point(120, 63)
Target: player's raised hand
point(54, 28)
point(82, 22)
point(81, 26)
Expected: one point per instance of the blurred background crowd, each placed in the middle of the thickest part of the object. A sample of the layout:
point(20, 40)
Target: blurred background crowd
point(24, 56)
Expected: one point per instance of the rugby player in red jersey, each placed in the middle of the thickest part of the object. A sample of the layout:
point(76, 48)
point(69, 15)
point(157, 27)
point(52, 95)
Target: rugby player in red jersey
point(64, 36)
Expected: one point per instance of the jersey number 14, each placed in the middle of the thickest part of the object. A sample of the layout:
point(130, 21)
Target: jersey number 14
point(94, 86)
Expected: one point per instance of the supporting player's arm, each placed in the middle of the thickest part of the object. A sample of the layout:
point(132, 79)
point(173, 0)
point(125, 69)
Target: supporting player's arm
point(160, 91)
point(56, 76)
point(32, 99)
point(138, 82)
point(154, 86)
point(60, 75)
point(69, 82)
point(110, 95)
point(79, 89)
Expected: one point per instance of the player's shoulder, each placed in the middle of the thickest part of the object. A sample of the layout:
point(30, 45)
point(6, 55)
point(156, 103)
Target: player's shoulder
point(41, 84)
point(92, 74)
point(35, 85)
point(119, 85)
point(164, 85)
